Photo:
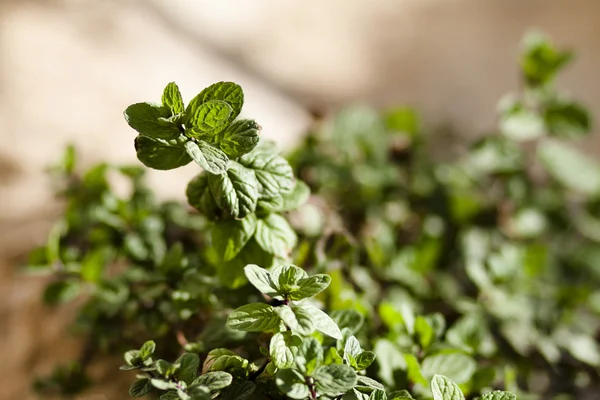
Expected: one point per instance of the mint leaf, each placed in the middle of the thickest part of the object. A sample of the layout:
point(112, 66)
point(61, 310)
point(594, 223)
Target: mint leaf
point(172, 99)
point(195, 393)
point(292, 384)
point(295, 198)
point(230, 236)
point(364, 360)
point(309, 356)
point(239, 390)
point(282, 348)
point(310, 286)
point(208, 157)
point(352, 350)
point(239, 138)
point(150, 120)
point(444, 389)
point(189, 364)
point(297, 319)
point(225, 360)
point(226, 91)
point(214, 380)
point(147, 350)
point(140, 388)
point(275, 235)
point(334, 379)
point(323, 322)
point(200, 196)
point(499, 395)
point(208, 118)
point(160, 153)
point(261, 279)
point(456, 366)
point(255, 317)
point(274, 173)
point(378, 394)
point(287, 278)
point(235, 191)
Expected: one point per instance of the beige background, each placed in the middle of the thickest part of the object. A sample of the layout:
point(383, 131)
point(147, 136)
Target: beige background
point(69, 68)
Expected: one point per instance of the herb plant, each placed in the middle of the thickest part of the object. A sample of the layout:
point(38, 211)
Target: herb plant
point(380, 274)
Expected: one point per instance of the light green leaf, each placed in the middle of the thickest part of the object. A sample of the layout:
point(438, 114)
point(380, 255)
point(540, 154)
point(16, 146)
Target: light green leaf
point(201, 198)
point(364, 382)
point(140, 388)
point(230, 236)
point(208, 157)
point(255, 317)
point(297, 319)
point(147, 350)
point(323, 322)
point(351, 350)
point(378, 394)
point(225, 360)
point(209, 118)
point(334, 379)
point(424, 332)
point(364, 360)
point(456, 366)
point(570, 167)
point(282, 349)
point(413, 369)
point(150, 120)
point(310, 286)
point(295, 198)
point(309, 356)
point(389, 359)
point(350, 319)
point(444, 389)
point(292, 384)
point(214, 380)
point(226, 91)
point(235, 191)
point(172, 99)
point(160, 153)
point(261, 279)
point(499, 395)
point(239, 138)
point(274, 173)
point(287, 278)
point(275, 235)
point(189, 366)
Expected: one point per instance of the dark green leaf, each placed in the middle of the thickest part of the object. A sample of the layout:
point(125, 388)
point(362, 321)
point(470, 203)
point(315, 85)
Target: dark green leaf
point(61, 292)
point(240, 390)
point(140, 388)
point(230, 236)
point(567, 119)
point(160, 153)
point(378, 394)
point(334, 379)
point(364, 360)
point(275, 236)
point(208, 157)
point(235, 191)
point(310, 286)
point(200, 196)
point(309, 356)
point(292, 384)
point(150, 120)
point(189, 366)
point(255, 317)
point(214, 380)
point(239, 138)
point(274, 173)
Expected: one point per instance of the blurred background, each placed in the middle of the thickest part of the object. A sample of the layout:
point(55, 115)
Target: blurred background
point(68, 69)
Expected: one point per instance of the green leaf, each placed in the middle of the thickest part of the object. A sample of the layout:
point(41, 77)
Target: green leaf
point(255, 317)
point(150, 120)
point(172, 99)
point(166, 368)
point(209, 118)
point(378, 394)
point(334, 379)
point(456, 366)
point(226, 360)
point(274, 235)
point(569, 167)
point(140, 388)
point(499, 395)
point(309, 356)
point(61, 292)
point(295, 198)
point(230, 236)
point(196, 393)
point(444, 389)
point(400, 395)
point(541, 61)
point(208, 157)
point(323, 322)
point(163, 384)
point(261, 279)
point(240, 137)
point(275, 175)
point(413, 369)
point(239, 390)
point(350, 319)
point(235, 191)
point(226, 91)
point(160, 153)
point(147, 350)
point(424, 332)
point(282, 349)
point(231, 273)
point(297, 319)
point(171, 395)
point(200, 196)
point(287, 277)
point(310, 286)
point(352, 350)
point(567, 119)
point(364, 382)
point(214, 380)
point(364, 360)
point(189, 366)
point(389, 359)
point(292, 384)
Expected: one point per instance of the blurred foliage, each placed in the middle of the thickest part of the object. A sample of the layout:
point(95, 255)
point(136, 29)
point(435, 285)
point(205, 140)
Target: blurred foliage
point(457, 278)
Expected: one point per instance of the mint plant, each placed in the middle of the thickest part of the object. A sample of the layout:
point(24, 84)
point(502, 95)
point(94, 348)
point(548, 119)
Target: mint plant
point(381, 274)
